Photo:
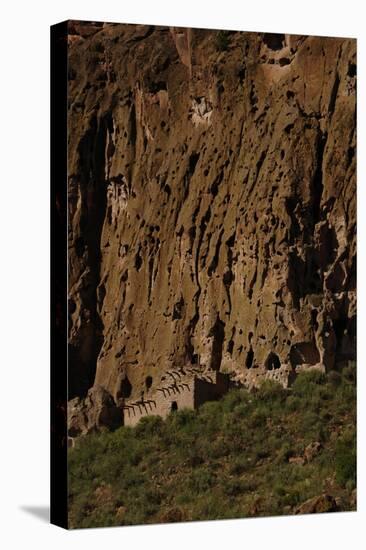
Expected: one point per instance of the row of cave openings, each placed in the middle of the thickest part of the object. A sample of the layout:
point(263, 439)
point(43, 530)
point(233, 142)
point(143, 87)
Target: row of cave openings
point(126, 386)
point(300, 353)
point(271, 363)
point(304, 352)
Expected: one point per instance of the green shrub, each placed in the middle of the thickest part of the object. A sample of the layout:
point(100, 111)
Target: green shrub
point(285, 452)
point(217, 461)
point(306, 383)
point(293, 403)
point(242, 410)
point(220, 447)
point(271, 392)
point(209, 418)
point(232, 400)
point(182, 419)
point(310, 424)
point(193, 457)
point(149, 425)
point(345, 459)
point(201, 480)
point(258, 418)
point(234, 487)
point(239, 465)
point(334, 378)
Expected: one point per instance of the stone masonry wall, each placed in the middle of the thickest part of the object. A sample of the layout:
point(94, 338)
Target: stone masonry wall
point(182, 396)
point(186, 393)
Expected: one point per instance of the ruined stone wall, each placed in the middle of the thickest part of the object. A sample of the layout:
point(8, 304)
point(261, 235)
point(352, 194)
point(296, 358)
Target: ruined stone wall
point(161, 403)
point(212, 204)
point(185, 393)
point(210, 388)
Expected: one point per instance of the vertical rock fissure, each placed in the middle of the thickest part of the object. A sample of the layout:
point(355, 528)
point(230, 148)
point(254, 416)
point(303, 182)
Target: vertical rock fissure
point(93, 190)
point(193, 322)
point(317, 183)
point(333, 95)
point(218, 335)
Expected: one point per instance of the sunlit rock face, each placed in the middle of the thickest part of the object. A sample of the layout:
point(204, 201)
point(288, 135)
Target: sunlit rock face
point(212, 204)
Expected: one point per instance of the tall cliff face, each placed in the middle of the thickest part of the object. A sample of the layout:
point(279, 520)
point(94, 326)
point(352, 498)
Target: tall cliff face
point(212, 203)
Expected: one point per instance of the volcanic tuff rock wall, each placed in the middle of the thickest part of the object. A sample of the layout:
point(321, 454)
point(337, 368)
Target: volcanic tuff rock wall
point(212, 203)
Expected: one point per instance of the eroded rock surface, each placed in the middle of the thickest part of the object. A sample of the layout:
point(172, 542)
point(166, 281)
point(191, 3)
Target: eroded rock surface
point(94, 412)
point(212, 204)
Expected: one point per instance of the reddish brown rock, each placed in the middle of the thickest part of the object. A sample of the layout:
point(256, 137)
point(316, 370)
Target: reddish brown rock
point(96, 411)
point(318, 505)
point(212, 205)
point(299, 460)
point(312, 450)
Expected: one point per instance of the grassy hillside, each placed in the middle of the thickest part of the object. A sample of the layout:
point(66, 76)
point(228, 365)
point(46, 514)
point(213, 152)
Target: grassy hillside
point(250, 454)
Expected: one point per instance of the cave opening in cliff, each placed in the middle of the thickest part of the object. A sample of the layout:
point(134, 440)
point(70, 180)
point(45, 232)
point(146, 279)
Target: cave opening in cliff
point(345, 333)
point(193, 159)
point(132, 126)
point(79, 247)
point(352, 327)
point(339, 326)
point(317, 183)
point(274, 41)
point(249, 359)
point(174, 406)
point(272, 362)
point(230, 347)
point(217, 332)
point(194, 359)
point(148, 382)
point(304, 353)
point(126, 388)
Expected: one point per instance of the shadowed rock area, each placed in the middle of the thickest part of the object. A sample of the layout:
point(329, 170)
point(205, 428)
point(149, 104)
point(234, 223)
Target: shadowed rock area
point(212, 205)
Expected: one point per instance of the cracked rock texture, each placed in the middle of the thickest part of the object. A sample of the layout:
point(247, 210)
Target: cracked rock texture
point(212, 204)
point(96, 411)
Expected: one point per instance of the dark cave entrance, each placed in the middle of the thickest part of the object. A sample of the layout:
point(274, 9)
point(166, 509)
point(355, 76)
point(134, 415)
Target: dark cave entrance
point(345, 333)
point(304, 353)
point(249, 359)
point(218, 334)
point(274, 41)
point(272, 362)
point(126, 388)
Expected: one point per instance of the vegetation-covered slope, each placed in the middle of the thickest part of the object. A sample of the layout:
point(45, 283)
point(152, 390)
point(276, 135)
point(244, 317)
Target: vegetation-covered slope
point(251, 454)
